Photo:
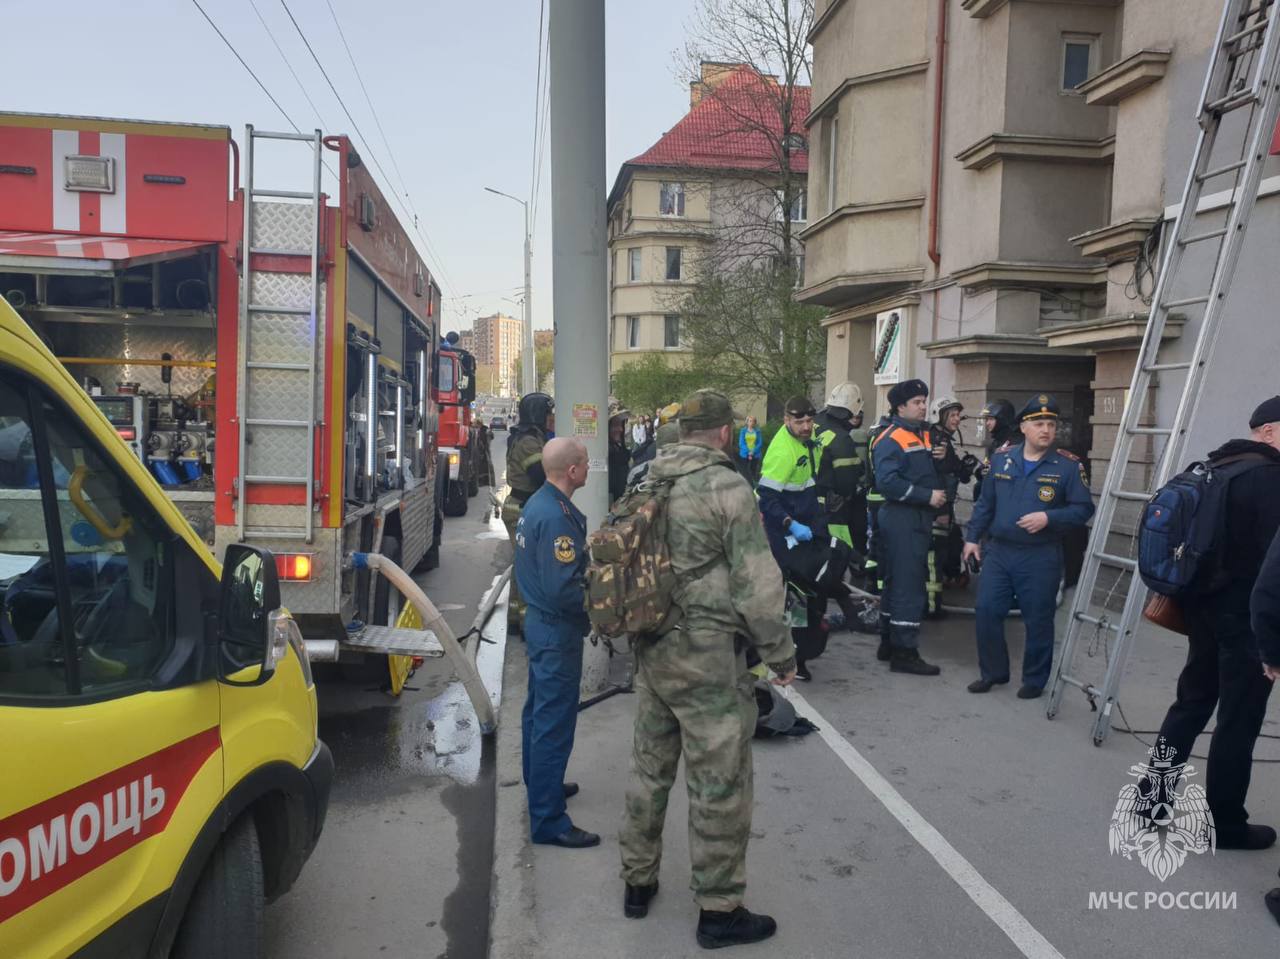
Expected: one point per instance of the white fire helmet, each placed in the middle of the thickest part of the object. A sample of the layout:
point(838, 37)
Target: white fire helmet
point(944, 403)
point(846, 396)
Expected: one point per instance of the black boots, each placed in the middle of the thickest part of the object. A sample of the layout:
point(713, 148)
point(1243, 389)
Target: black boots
point(909, 661)
point(635, 903)
point(719, 929)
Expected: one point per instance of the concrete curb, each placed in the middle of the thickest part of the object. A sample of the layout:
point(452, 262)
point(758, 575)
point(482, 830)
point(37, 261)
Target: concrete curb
point(513, 925)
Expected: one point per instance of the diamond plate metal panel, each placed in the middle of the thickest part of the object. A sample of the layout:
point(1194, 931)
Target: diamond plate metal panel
point(276, 395)
point(200, 516)
point(22, 528)
point(139, 342)
point(416, 524)
point(320, 596)
point(282, 226)
point(276, 451)
point(280, 289)
point(390, 640)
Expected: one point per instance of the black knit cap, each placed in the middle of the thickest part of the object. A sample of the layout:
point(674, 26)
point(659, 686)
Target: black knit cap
point(901, 393)
point(1268, 411)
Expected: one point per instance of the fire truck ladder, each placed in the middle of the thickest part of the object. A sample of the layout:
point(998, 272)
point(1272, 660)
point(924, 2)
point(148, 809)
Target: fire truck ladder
point(1242, 80)
point(279, 330)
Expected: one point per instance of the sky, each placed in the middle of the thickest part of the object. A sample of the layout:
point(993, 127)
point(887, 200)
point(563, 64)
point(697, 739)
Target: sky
point(452, 83)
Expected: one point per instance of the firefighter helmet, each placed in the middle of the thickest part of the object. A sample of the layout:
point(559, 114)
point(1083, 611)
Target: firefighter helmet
point(668, 413)
point(944, 403)
point(534, 409)
point(1002, 412)
point(846, 396)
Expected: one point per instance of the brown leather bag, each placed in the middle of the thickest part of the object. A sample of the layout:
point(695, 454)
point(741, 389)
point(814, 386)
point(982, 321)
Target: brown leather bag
point(1165, 611)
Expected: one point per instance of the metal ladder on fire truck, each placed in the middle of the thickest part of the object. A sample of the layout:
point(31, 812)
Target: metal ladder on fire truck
point(1242, 82)
point(280, 325)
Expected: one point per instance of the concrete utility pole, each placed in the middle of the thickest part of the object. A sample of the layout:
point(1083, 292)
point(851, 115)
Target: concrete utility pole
point(576, 64)
point(528, 360)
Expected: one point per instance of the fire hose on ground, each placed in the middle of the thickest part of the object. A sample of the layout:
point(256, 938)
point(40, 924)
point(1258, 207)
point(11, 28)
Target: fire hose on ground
point(462, 663)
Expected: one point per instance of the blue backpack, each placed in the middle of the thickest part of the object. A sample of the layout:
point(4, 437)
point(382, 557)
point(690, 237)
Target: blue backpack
point(1183, 525)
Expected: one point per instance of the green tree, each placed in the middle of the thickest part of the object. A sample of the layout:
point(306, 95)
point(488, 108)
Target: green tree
point(745, 327)
point(544, 362)
point(649, 383)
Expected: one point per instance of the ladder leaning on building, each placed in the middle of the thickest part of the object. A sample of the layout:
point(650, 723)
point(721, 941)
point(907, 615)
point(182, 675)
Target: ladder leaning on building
point(1243, 79)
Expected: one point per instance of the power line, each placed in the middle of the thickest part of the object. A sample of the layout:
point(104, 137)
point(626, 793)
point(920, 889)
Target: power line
point(372, 110)
point(288, 65)
point(260, 84)
point(356, 129)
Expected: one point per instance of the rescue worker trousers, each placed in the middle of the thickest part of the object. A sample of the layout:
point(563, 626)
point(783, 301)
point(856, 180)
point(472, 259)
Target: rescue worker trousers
point(693, 696)
point(550, 717)
point(903, 537)
point(515, 603)
point(1032, 574)
point(1223, 670)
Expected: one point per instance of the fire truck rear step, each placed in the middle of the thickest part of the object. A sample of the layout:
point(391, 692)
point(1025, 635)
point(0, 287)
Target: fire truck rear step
point(392, 640)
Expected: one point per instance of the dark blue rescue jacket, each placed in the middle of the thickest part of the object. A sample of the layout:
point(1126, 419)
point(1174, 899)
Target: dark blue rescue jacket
point(1055, 485)
point(551, 555)
point(906, 472)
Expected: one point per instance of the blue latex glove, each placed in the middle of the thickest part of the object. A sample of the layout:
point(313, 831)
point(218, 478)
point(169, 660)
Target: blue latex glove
point(801, 532)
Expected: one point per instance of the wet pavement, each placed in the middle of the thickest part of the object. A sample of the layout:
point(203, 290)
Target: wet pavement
point(404, 865)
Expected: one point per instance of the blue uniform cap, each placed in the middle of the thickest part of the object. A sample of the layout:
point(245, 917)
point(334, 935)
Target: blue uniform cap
point(1039, 407)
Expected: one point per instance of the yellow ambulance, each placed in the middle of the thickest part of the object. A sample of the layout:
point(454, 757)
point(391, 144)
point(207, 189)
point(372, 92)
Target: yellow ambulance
point(160, 773)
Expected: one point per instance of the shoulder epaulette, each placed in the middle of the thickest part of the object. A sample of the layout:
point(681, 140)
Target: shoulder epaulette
point(1067, 454)
point(1009, 444)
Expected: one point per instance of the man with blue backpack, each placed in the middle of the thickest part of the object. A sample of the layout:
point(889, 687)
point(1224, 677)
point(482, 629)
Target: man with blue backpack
point(1203, 540)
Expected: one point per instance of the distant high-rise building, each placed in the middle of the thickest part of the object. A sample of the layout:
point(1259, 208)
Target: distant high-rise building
point(497, 344)
point(543, 338)
point(467, 340)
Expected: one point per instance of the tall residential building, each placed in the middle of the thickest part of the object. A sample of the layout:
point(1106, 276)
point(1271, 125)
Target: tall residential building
point(497, 344)
point(467, 340)
point(994, 226)
point(673, 204)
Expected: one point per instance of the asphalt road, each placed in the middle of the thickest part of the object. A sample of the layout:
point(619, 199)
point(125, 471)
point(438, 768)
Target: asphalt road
point(404, 865)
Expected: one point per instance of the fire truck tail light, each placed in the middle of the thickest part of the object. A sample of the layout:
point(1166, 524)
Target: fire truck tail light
point(128, 434)
point(294, 567)
point(453, 459)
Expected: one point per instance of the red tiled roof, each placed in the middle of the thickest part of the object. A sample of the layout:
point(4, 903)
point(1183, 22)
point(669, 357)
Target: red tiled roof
point(727, 129)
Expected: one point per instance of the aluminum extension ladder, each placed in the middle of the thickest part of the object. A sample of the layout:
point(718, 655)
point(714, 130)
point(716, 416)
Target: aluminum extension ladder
point(1243, 75)
point(279, 328)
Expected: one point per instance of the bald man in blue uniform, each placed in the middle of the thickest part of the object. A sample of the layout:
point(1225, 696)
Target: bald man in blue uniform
point(1032, 495)
point(550, 560)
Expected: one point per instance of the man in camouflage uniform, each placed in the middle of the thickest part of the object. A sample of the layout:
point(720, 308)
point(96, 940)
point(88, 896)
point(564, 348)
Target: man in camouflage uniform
point(537, 419)
point(693, 691)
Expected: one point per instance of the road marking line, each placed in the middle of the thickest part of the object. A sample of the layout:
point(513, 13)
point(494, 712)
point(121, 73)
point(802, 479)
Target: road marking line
point(998, 909)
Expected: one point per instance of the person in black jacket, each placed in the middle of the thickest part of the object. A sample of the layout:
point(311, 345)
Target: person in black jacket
point(1224, 669)
point(1264, 610)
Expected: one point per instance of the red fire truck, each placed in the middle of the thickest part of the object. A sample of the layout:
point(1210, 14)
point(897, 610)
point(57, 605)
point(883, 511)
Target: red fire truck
point(265, 349)
point(463, 451)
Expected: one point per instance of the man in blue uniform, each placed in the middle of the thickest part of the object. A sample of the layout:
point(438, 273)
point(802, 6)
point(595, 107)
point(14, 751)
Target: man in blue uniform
point(908, 479)
point(1032, 495)
point(550, 559)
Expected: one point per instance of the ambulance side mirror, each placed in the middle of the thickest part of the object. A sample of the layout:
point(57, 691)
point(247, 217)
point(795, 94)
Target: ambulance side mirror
point(249, 594)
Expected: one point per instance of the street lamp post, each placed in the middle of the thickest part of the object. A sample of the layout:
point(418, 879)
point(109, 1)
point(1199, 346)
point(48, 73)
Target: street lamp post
point(530, 375)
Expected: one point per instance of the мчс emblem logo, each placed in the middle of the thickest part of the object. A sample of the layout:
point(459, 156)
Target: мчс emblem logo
point(565, 552)
point(1046, 494)
point(1161, 818)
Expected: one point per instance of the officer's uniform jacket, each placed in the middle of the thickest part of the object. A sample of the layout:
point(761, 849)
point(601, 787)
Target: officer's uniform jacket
point(551, 555)
point(904, 466)
point(1056, 486)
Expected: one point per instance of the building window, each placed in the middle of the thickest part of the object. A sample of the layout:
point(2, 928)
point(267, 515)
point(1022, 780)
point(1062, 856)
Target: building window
point(633, 265)
point(673, 262)
point(1079, 59)
point(799, 205)
point(633, 332)
point(671, 332)
point(671, 199)
point(833, 135)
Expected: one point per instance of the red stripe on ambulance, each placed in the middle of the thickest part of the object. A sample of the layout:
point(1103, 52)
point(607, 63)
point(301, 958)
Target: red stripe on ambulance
point(53, 843)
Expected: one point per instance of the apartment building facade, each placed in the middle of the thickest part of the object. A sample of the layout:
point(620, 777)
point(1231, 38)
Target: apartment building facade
point(497, 345)
point(988, 184)
point(701, 188)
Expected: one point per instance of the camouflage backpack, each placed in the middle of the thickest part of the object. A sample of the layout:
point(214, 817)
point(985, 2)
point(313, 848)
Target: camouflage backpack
point(630, 580)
